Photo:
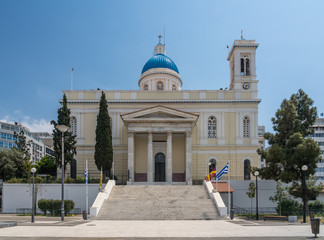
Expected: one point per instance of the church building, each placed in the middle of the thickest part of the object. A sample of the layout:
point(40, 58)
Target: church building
point(164, 135)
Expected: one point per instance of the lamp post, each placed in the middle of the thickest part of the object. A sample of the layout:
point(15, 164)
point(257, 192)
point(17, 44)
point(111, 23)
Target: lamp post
point(33, 170)
point(62, 129)
point(256, 174)
point(304, 169)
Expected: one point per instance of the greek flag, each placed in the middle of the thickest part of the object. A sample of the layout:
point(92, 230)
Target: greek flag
point(224, 170)
point(86, 175)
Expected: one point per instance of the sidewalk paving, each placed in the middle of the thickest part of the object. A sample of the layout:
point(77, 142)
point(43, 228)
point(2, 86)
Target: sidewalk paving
point(77, 228)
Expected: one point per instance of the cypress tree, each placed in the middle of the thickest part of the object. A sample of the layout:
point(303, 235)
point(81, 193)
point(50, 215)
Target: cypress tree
point(63, 118)
point(103, 149)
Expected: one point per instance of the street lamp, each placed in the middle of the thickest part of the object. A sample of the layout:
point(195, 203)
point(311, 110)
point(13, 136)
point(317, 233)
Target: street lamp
point(256, 174)
point(62, 129)
point(33, 170)
point(304, 169)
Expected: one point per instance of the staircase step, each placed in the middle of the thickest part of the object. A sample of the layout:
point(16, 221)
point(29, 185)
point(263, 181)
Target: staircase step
point(158, 203)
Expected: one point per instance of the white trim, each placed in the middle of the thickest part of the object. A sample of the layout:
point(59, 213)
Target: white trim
point(224, 151)
point(80, 95)
point(117, 95)
point(185, 95)
point(247, 158)
point(210, 158)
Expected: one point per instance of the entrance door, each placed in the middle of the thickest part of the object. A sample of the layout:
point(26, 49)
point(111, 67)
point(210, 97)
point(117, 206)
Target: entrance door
point(159, 167)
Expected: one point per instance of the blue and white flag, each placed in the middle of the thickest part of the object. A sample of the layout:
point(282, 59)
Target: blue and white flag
point(86, 175)
point(86, 172)
point(224, 170)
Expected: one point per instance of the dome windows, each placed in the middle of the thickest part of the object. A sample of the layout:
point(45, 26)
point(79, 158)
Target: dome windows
point(159, 86)
point(145, 87)
point(174, 88)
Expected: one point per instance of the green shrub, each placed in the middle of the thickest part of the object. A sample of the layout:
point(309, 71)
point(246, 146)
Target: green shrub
point(316, 207)
point(68, 206)
point(80, 179)
point(290, 207)
point(43, 205)
point(54, 206)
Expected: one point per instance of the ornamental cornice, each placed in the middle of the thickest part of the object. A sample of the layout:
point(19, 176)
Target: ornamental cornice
point(146, 75)
point(131, 101)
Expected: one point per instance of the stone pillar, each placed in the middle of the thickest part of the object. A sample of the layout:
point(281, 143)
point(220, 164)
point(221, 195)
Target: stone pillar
point(188, 158)
point(150, 164)
point(169, 158)
point(131, 157)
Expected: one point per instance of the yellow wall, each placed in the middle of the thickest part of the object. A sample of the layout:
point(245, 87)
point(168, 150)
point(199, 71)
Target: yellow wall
point(141, 153)
point(230, 128)
point(178, 153)
point(90, 122)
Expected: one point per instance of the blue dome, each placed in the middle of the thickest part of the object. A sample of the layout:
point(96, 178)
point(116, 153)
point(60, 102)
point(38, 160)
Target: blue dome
point(160, 61)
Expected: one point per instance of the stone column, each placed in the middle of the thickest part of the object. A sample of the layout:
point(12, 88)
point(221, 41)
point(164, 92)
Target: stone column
point(188, 158)
point(131, 157)
point(169, 158)
point(150, 164)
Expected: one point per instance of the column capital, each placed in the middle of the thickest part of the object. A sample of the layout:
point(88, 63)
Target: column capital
point(169, 132)
point(131, 134)
point(188, 133)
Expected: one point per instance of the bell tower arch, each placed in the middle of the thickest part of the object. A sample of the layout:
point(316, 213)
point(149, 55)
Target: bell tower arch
point(242, 63)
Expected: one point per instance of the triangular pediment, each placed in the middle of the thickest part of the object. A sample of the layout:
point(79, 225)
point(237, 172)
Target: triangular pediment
point(159, 113)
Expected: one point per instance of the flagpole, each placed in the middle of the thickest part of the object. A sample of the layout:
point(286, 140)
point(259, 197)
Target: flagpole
point(72, 79)
point(113, 167)
point(229, 184)
point(87, 199)
point(216, 177)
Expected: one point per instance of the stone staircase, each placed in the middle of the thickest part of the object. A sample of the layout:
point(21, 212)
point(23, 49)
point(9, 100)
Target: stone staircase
point(158, 203)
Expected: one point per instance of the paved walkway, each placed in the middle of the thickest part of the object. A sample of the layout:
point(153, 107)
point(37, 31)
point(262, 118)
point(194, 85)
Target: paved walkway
point(75, 227)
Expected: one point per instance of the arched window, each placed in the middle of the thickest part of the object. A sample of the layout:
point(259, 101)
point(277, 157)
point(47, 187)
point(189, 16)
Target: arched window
point(174, 87)
point(242, 66)
point(211, 164)
point(145, 87)
point(247, 64)
point(73, 126)
point(159, 86)
point(246, 127)
point(247, 169)
point(212, 127)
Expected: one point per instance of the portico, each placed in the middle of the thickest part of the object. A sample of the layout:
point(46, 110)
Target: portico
point(159, 145)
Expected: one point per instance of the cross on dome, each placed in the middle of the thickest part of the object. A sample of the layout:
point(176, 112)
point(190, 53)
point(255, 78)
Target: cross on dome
point(160, 37)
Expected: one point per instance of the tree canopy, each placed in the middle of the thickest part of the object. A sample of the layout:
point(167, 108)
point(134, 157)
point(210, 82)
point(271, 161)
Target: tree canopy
point(290, 148)
point(46, 165)
point(12, 164)
point(22, 146)
point(103, 149)
point(63, 118)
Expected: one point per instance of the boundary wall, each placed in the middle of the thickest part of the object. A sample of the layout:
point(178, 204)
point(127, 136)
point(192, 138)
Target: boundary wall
point(20, 195)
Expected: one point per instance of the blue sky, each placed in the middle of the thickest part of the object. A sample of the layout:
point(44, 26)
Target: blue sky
point(108, 43)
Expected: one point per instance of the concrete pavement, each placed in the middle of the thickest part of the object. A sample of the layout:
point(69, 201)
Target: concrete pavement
point(76, 228)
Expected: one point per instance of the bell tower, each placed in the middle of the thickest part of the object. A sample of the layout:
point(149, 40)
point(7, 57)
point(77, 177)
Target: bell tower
point(242, 64)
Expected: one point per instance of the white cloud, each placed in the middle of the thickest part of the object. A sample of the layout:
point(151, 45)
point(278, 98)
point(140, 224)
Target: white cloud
point(17, 111)
point(34, 125)
point(5, 118)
